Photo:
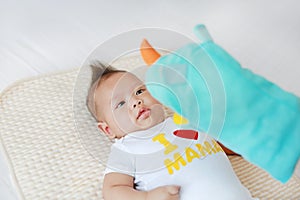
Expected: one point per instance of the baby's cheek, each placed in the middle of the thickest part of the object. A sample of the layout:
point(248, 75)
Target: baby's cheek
point(158, 112)
point(124, 121)
point(148, 98)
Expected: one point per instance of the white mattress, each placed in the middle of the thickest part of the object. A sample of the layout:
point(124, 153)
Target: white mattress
point(37, 37)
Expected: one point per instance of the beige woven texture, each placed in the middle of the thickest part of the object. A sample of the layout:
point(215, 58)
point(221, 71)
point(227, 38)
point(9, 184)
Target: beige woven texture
point(55, 152)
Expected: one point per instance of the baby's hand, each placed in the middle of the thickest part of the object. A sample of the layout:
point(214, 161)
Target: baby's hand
point(169, 192)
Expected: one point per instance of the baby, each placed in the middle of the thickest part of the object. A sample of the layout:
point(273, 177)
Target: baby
point(152, 158)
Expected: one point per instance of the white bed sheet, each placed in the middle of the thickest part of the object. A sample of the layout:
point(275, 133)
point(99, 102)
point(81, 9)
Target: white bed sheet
point(38, 37)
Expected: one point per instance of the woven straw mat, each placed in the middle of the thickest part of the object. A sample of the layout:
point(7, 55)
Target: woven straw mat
point(51, 157)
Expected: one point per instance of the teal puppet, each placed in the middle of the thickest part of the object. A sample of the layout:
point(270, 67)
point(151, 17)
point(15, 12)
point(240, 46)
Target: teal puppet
point(248, 114)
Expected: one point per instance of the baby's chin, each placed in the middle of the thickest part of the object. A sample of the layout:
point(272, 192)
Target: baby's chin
point(138, 126)
point(149, 122)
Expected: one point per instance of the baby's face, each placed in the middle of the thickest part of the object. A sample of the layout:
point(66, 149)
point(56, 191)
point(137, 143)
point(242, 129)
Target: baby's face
point(126, 105)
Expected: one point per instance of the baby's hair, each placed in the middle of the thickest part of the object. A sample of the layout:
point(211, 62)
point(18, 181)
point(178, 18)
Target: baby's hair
point(100, 72)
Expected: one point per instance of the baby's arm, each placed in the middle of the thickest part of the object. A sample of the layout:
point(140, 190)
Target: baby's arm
point(121, 186)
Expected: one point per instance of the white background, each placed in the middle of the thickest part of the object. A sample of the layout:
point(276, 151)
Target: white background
point(38, 37)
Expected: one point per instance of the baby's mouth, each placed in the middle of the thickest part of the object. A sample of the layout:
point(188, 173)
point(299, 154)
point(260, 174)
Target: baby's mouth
point(143, 113)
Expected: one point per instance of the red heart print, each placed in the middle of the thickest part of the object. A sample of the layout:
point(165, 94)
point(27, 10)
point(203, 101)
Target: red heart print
point(187, 134)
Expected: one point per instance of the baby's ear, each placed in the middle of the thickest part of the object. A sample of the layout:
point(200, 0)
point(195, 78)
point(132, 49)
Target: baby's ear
point(106, 130)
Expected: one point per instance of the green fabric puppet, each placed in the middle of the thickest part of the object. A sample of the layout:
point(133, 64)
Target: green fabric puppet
point(244, 111)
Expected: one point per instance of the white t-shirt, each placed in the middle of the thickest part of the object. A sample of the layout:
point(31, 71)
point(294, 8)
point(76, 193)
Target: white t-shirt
point(157, 157)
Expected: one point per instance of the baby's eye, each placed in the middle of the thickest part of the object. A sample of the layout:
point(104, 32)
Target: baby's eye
point(119, 105)
point(139, 91)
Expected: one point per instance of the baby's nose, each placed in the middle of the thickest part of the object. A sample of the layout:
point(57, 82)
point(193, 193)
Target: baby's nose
point(138, 102)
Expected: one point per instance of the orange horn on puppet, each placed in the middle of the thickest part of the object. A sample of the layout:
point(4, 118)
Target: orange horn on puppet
point(149, 54)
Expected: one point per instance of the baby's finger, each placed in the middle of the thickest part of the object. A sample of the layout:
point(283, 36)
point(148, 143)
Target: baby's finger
point(175, 197)
point(173, 189)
